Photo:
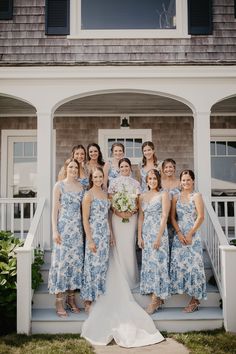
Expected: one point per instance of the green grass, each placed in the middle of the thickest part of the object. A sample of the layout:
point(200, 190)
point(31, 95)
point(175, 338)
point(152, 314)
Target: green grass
point(44, 344)
point(207, 342)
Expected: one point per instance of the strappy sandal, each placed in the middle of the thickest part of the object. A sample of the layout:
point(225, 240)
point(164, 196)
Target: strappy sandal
point(155, 304)
point(60, 313)
point(72, 307)
point(192, 307)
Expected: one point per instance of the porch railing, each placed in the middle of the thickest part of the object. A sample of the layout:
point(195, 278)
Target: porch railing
point(25, 258)
point(16, 215)
point(225, 209)
point(214, 238)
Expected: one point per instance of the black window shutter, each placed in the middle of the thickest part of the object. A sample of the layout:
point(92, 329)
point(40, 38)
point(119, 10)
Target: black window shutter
point(6, 9)
point(57, 17)
point(200, 17)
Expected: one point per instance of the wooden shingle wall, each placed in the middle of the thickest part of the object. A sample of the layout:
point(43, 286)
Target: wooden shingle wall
point(23, 42)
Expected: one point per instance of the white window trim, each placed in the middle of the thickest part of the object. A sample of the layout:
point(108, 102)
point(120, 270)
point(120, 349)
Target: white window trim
point(105, 134)
point(6, 134)
point(181, 30)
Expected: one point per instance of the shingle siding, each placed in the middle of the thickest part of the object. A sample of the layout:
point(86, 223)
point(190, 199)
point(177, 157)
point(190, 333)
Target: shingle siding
point(23, 41)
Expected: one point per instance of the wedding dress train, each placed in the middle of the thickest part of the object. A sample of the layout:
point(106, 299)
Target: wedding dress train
point(116, 315)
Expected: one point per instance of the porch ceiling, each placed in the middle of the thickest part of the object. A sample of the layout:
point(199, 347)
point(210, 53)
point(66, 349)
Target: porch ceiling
point(225, 106)
point(123, 103)
point(12, 106)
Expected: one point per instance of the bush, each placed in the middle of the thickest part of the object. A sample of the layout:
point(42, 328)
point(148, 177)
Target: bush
point(8, 271)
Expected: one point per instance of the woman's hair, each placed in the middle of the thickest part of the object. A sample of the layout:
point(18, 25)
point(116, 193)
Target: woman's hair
point(63, 173)
point(187, 172)
point(144, 160)
point(91, 175)
point(158, 176)
point(77, 147)
point(125, 159)
point(166, 161)
point(117, 144)
point(100, 158)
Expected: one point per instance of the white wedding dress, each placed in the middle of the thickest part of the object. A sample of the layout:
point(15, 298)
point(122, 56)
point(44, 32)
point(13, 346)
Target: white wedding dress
point(116, 315)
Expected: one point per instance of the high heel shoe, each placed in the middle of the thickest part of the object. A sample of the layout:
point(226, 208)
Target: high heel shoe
point(192, 307)
point(155, 304)
point(60, 313)
point(70, 303)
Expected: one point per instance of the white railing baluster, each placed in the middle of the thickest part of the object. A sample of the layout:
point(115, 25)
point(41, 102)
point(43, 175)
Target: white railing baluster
point(226, 218)
point(22, 221)
point(12, 217)
point(31, 210)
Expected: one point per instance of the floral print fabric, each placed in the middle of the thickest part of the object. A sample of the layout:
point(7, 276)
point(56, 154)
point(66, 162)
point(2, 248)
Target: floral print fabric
point(186, 266)
point(154, 271)
point(96, 264)
point(67, 258)
point(130, 184)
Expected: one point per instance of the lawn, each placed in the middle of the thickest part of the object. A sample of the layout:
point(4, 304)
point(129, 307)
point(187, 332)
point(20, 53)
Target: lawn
point(208, 342)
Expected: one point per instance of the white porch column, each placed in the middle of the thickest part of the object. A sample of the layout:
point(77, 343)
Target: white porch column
point(44, 169)
point(228, 256)
point(202, 157)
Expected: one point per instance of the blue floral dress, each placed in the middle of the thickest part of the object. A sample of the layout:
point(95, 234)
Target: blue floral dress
point(85, 182)
point(186, 266)
point(143, 175)
point(113, 172)
point(66, 272)
point(154, 270)
point(96, 264)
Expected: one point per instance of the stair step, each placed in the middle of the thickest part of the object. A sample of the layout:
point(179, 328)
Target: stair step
point(42, 299)
point(168, 319)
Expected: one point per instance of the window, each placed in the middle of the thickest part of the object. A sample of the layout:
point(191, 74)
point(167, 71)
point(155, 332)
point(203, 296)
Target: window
point(132, 139)
point(223, 162)
point(6, 9)
point(128, 18)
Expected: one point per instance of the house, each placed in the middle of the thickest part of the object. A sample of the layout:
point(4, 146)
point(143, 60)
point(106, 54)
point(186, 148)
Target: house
point(71, 71)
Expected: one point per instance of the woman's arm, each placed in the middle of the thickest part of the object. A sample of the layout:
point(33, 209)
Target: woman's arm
point(55, 211)
point(181, 237)
point(105, 171)
point(164, 216)
point(86, 213)
point(140, 223)
point(200, 217)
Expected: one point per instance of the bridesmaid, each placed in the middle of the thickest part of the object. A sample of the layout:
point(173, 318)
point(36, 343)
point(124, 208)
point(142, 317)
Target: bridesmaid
point(95, 220)
point(94, 155)
point(67, 256)
point(111, 169)
point(79, 154)
point(186, 266)
point(154, 207)
point(170, 184)
point(149, 162)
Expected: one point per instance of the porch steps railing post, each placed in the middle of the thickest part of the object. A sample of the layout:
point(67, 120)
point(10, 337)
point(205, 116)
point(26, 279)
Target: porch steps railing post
point(228, 262)
point(24, 292)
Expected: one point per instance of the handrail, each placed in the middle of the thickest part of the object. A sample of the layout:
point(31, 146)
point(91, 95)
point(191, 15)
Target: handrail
point(25, 255)
point(214, 238)
point(227, 222)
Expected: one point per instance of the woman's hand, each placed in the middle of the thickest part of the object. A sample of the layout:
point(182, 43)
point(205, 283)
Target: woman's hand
point(181, 238)
point(112, 241)
point(140, 242)
point(57, 238)
point(188, 238)
point(123, 214)
point(92, 247)
point(157, 244)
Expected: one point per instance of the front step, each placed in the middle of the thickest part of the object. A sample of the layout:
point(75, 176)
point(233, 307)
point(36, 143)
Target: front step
point(43, 300)
point(168, 319)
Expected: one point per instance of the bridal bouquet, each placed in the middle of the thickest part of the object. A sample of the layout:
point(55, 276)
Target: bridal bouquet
point(124, 201)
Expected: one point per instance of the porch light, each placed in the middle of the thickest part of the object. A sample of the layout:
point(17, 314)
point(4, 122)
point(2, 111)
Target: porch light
point(124, 121)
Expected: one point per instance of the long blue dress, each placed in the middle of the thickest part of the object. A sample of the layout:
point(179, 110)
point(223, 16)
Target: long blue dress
point(186, 266)
point(66, 272)
point(113, 172)
point(154, 270)
point(96, 264)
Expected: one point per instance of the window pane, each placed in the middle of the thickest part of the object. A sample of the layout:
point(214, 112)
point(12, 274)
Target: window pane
point(29, 149)
point(224, 169)
point(221, 147)
point(128, 14)
point(137, 152)
point(212, 148)
point(232, 148)
point(138, 143)
point(18, 149)
point(129, 152)
point(130, 143)
point(35, 149)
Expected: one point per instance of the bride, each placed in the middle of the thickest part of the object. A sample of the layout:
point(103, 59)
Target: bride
point(115, 314)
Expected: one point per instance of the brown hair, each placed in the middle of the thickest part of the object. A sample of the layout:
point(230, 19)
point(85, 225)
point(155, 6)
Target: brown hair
point(117, 144)
point(77, 147)
point(166, 161)
point(187, 172)
point(125, 159)
point(62, 173)
point(144, 160)
point(158, 176)
point(98, 168)
point(100, 158)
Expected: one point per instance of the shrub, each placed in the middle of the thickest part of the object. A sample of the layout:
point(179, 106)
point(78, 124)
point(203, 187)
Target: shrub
point(8, 271)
